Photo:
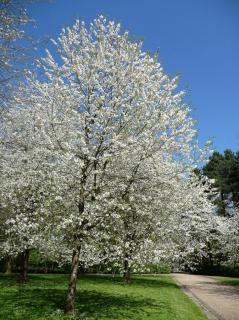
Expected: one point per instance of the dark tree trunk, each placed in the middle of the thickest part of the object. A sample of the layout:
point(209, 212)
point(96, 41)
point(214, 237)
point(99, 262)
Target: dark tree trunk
point(24, 257)
point(8, 265)
point(210, 257)
point(71, 295)
point(126, 274)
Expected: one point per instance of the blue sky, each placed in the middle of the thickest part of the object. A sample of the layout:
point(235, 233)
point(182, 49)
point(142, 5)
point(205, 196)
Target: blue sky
point(198, 39)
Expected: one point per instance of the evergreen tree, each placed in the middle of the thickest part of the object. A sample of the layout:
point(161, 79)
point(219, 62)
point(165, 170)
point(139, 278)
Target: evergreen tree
point(224, 169)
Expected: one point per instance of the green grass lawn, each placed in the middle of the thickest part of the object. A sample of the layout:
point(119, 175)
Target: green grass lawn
point(99, 297)
point(228, 280)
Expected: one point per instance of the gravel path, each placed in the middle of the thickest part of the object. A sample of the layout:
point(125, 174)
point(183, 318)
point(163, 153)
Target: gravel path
point(219, 301)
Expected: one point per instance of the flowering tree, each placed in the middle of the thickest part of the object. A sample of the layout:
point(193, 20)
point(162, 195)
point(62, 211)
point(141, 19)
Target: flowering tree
point(201, 230)
point(99, 127)
point(15, 46)
point(230, 241)
point(24, 189)
point(147, 208)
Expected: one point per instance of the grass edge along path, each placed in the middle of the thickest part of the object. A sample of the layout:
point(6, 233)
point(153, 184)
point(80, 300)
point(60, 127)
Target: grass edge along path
point(99, 298)
point(227, 280)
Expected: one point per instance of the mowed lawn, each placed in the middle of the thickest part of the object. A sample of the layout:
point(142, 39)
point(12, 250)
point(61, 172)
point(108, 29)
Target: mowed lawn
point(99, 297)
point(228, 280)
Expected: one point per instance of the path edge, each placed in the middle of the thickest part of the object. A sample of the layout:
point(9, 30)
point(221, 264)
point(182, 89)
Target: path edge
point(211, 314)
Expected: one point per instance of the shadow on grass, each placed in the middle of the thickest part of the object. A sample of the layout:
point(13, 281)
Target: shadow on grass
point(101, 305)
point(29, 302)
point(62, 280)
point(32, 303)
point(144, 281)
point(233, 282)
point(39, 298)
point(7, 280)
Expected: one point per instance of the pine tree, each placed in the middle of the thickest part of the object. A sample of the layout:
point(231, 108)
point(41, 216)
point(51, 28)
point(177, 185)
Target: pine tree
point(224, 169)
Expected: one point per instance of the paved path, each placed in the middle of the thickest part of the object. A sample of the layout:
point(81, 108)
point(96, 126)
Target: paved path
point(219, 301)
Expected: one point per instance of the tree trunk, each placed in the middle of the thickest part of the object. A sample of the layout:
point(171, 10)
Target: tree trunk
point(71, 295)
point(24, 257)
point(126, 275)
point(8, 265)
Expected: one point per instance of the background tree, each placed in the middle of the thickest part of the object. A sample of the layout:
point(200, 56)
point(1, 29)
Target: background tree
point(224, 169)
point(231, 243)
point(15, 45)
point(16, 51)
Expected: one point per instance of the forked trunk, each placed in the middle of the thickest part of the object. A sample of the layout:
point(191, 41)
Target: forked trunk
point(24, 257)
point(71, 295)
